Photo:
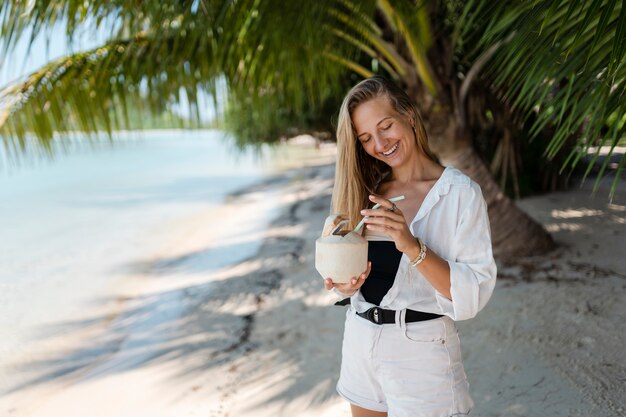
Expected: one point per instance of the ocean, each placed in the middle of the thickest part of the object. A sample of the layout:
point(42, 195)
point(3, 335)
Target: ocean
point(72, 227)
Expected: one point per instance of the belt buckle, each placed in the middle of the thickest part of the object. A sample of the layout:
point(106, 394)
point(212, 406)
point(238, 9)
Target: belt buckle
point(373, 315)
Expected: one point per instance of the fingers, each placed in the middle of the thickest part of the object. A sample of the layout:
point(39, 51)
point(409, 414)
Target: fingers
point(384, 210)
point(386, 220)
point(384, 203)
point(344, 288)
point(358, 281)
point(354, 284)
point(380, 212)
point(386, 223)
point(382, 219)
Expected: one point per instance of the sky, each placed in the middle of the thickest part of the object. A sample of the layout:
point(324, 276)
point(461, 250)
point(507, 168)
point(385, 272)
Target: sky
point(47, 46)
point(54, 44)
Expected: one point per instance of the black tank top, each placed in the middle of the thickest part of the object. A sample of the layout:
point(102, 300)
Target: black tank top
point(385, 260)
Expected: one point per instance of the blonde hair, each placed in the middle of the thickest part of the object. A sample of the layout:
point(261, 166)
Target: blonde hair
point(357, 174)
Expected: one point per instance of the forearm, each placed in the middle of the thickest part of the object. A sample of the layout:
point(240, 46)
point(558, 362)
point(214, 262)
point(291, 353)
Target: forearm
point(435, 269)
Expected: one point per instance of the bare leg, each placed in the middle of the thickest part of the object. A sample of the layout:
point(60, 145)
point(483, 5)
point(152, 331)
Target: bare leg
point(363, 412)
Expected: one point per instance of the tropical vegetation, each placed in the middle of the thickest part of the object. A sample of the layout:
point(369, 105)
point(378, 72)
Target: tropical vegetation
point(504, 87)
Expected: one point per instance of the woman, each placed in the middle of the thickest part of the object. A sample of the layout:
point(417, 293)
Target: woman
point(430, 260)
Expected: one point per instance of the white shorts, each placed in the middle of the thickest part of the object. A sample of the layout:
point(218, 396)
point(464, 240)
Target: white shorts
point(405, 369)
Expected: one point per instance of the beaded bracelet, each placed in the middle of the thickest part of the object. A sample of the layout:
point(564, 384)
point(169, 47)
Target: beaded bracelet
point(422, 253)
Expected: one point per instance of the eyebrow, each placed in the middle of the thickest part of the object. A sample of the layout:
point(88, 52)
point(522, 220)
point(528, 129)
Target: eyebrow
point(379, 122)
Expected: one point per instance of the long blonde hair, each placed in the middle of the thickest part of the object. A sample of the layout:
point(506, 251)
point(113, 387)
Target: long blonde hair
point(357, 174)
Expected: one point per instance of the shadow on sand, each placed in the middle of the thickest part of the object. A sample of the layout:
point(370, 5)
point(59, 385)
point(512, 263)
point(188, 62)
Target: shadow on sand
point(217, 319)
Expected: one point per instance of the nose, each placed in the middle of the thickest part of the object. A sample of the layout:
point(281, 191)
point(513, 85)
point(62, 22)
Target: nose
point(381, 143)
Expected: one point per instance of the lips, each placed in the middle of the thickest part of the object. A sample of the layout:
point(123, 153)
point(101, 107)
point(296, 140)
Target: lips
point(392, 150)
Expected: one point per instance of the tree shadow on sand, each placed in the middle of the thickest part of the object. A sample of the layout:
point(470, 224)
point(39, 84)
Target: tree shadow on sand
point(220, 320)
point(256, 321)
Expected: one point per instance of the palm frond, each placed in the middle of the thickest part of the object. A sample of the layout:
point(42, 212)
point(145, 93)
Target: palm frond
point(163, 53)
point(92, 90)
point(412, 24)
point(124, 17)
point(564, 66)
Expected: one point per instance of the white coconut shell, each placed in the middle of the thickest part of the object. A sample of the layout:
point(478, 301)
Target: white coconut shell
point(341, 257)
point(332, 222)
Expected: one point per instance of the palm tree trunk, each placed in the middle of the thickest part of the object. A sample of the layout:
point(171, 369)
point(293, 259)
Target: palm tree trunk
point(513, 232)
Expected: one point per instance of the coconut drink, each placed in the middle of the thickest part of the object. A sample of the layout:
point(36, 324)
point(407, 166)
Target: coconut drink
point(340, 254)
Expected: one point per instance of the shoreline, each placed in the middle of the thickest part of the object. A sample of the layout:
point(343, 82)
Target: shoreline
point(262, 338)
point(163, 262)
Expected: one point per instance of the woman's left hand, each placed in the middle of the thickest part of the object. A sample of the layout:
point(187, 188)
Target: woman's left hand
point(392, 223)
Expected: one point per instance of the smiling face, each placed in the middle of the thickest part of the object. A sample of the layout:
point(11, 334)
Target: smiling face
point(384, 133)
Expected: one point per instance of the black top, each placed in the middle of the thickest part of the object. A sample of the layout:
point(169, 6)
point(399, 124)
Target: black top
point(385, 260)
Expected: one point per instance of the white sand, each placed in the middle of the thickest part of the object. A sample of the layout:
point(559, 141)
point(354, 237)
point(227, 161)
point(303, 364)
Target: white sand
point(262, 338)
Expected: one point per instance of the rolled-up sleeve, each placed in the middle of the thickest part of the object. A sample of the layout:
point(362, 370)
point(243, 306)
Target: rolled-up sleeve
point(472, 266)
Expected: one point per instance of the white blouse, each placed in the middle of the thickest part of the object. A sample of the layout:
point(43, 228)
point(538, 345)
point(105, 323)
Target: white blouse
point(452, 221)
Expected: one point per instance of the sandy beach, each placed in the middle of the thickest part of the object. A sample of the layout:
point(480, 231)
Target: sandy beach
point(262, 338)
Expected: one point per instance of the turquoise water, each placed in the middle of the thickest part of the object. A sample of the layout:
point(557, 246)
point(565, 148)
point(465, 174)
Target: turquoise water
point(53, 208)
point(69, 227)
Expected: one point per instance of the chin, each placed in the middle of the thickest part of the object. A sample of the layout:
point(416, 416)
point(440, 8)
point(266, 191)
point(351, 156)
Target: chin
point(397, 160)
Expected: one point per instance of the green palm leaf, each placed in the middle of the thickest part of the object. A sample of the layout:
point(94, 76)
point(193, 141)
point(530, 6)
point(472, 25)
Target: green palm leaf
point(176, 50)
point(565, 66)
point(559, 62)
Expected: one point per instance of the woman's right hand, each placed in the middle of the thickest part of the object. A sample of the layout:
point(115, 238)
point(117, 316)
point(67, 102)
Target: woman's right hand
point(351, 287)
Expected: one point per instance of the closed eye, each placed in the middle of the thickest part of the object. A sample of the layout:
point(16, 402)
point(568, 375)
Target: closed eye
point(386, 127)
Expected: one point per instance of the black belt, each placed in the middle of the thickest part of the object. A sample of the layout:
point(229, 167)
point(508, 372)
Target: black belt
point(379, 315)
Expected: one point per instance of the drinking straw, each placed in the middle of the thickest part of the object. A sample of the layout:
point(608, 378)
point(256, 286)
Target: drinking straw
point(377, 205)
